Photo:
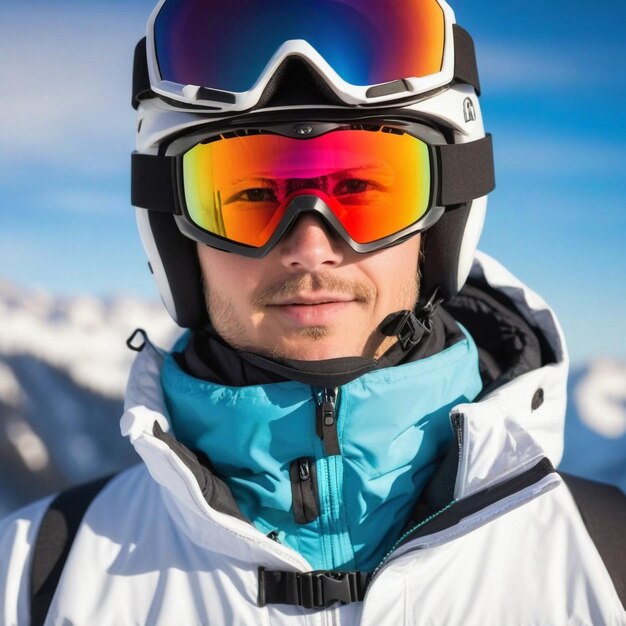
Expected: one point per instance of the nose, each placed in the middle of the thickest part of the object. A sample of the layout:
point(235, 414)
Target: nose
point(311, 245)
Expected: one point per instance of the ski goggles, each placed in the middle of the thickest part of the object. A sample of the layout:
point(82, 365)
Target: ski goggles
point(373, 183)
point(222, 55)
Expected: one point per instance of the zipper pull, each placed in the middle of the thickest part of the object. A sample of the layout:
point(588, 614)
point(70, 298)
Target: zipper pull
point(326, 423)
point(304, 490)
point(304, 469)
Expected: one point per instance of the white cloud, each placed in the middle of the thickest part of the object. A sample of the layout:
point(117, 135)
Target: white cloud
point(86, 202)
point(521, 152)
point(19, 250)
point(507, 66)
point(66, 75)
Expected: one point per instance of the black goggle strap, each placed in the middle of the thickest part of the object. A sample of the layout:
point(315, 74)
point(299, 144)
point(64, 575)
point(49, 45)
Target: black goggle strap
point(465, 171)
point(153, 183)
point(465, 71)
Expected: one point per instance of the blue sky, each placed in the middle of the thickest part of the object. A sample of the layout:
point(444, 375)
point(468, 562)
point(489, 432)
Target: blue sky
point(553, 97)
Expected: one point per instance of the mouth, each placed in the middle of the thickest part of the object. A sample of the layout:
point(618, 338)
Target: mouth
point(319, 309)
point(316, 299)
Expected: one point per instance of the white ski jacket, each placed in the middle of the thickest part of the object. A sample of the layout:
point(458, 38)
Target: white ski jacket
point(510, 549)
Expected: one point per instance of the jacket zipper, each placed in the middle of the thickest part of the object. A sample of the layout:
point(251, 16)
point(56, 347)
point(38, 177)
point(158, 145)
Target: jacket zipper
point(304, 490)
point(332, 519)
point(457, 425)
point(326, 421)
point(407, 536)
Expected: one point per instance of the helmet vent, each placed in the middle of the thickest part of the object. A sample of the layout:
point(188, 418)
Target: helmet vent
point(387, 89)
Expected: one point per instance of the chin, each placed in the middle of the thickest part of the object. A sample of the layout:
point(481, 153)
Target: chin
point(314, 345)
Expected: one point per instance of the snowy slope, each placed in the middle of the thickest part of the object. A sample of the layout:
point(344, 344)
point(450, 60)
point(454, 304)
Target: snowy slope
point(67, 332)
point(63, 367)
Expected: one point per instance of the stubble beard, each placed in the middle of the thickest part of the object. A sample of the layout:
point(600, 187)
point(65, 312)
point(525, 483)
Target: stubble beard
point(223, 316)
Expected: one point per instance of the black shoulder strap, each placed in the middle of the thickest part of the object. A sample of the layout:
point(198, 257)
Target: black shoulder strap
point(54, 540)
point(603, 509)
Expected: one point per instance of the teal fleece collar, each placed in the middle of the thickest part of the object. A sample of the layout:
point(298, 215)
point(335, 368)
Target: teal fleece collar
point(392, 427)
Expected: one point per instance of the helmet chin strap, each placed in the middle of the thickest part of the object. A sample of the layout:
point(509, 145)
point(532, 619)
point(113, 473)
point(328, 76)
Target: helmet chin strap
point(411, 326)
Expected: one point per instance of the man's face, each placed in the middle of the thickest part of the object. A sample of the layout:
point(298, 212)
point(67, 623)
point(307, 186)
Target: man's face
point(312, 297)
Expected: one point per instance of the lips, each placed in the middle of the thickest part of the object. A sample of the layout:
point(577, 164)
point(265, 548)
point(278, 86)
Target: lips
point(319, 309)
point(314, 299)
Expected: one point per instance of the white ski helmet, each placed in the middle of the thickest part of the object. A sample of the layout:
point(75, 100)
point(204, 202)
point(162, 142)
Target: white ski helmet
point(299, 84)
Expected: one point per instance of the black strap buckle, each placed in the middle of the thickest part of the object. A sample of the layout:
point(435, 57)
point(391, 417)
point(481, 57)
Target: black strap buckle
point(311, 590)
point(406, 327)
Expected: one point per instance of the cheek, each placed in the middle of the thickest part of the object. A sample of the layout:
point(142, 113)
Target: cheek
point(397, 274)
point(229, 277)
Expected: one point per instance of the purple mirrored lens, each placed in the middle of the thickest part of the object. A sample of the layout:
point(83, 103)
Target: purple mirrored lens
point(226, 44)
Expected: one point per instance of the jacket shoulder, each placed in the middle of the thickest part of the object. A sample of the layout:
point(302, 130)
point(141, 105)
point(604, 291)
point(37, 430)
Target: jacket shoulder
point(21, 530)
point(603, 510)
point(18, 533)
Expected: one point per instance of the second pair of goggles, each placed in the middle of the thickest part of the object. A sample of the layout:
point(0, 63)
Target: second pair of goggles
point(221, 55)
point(375, 182)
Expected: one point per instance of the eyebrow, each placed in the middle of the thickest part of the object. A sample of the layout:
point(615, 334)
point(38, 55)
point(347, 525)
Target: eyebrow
point(235, 181)
point(346, 170)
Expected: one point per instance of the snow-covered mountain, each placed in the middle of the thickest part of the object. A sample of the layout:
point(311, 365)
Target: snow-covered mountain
point(63, 368)
point(83, 336)
point(595, 433)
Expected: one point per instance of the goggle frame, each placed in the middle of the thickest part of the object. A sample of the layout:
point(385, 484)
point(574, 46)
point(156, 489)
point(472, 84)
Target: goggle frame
point(167, 193)
point(214, 99)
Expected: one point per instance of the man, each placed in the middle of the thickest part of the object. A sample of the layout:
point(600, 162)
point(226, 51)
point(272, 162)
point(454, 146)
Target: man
point(352, 432)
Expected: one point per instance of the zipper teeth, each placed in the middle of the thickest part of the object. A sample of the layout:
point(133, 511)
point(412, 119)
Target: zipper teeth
point(411, 531)
point(330, 395)
point(330, 502)
point(459, 421)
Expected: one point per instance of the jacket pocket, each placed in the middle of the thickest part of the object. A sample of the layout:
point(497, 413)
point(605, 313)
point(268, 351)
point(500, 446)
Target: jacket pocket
point(304, 490)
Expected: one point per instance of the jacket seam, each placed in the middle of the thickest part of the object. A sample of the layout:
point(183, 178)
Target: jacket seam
point(506, 475)
point(495, 512)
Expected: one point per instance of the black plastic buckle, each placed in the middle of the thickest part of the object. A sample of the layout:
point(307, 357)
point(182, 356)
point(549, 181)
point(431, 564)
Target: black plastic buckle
point(130, 342)
point(413, 330)
point(406, 327)
point(319, 590)
point(311, 590)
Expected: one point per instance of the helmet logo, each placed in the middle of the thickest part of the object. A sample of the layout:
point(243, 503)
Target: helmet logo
point(469, 112)
point(303, 130)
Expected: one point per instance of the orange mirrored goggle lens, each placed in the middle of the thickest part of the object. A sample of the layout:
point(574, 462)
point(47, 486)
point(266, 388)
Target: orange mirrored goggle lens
point(376, 183)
